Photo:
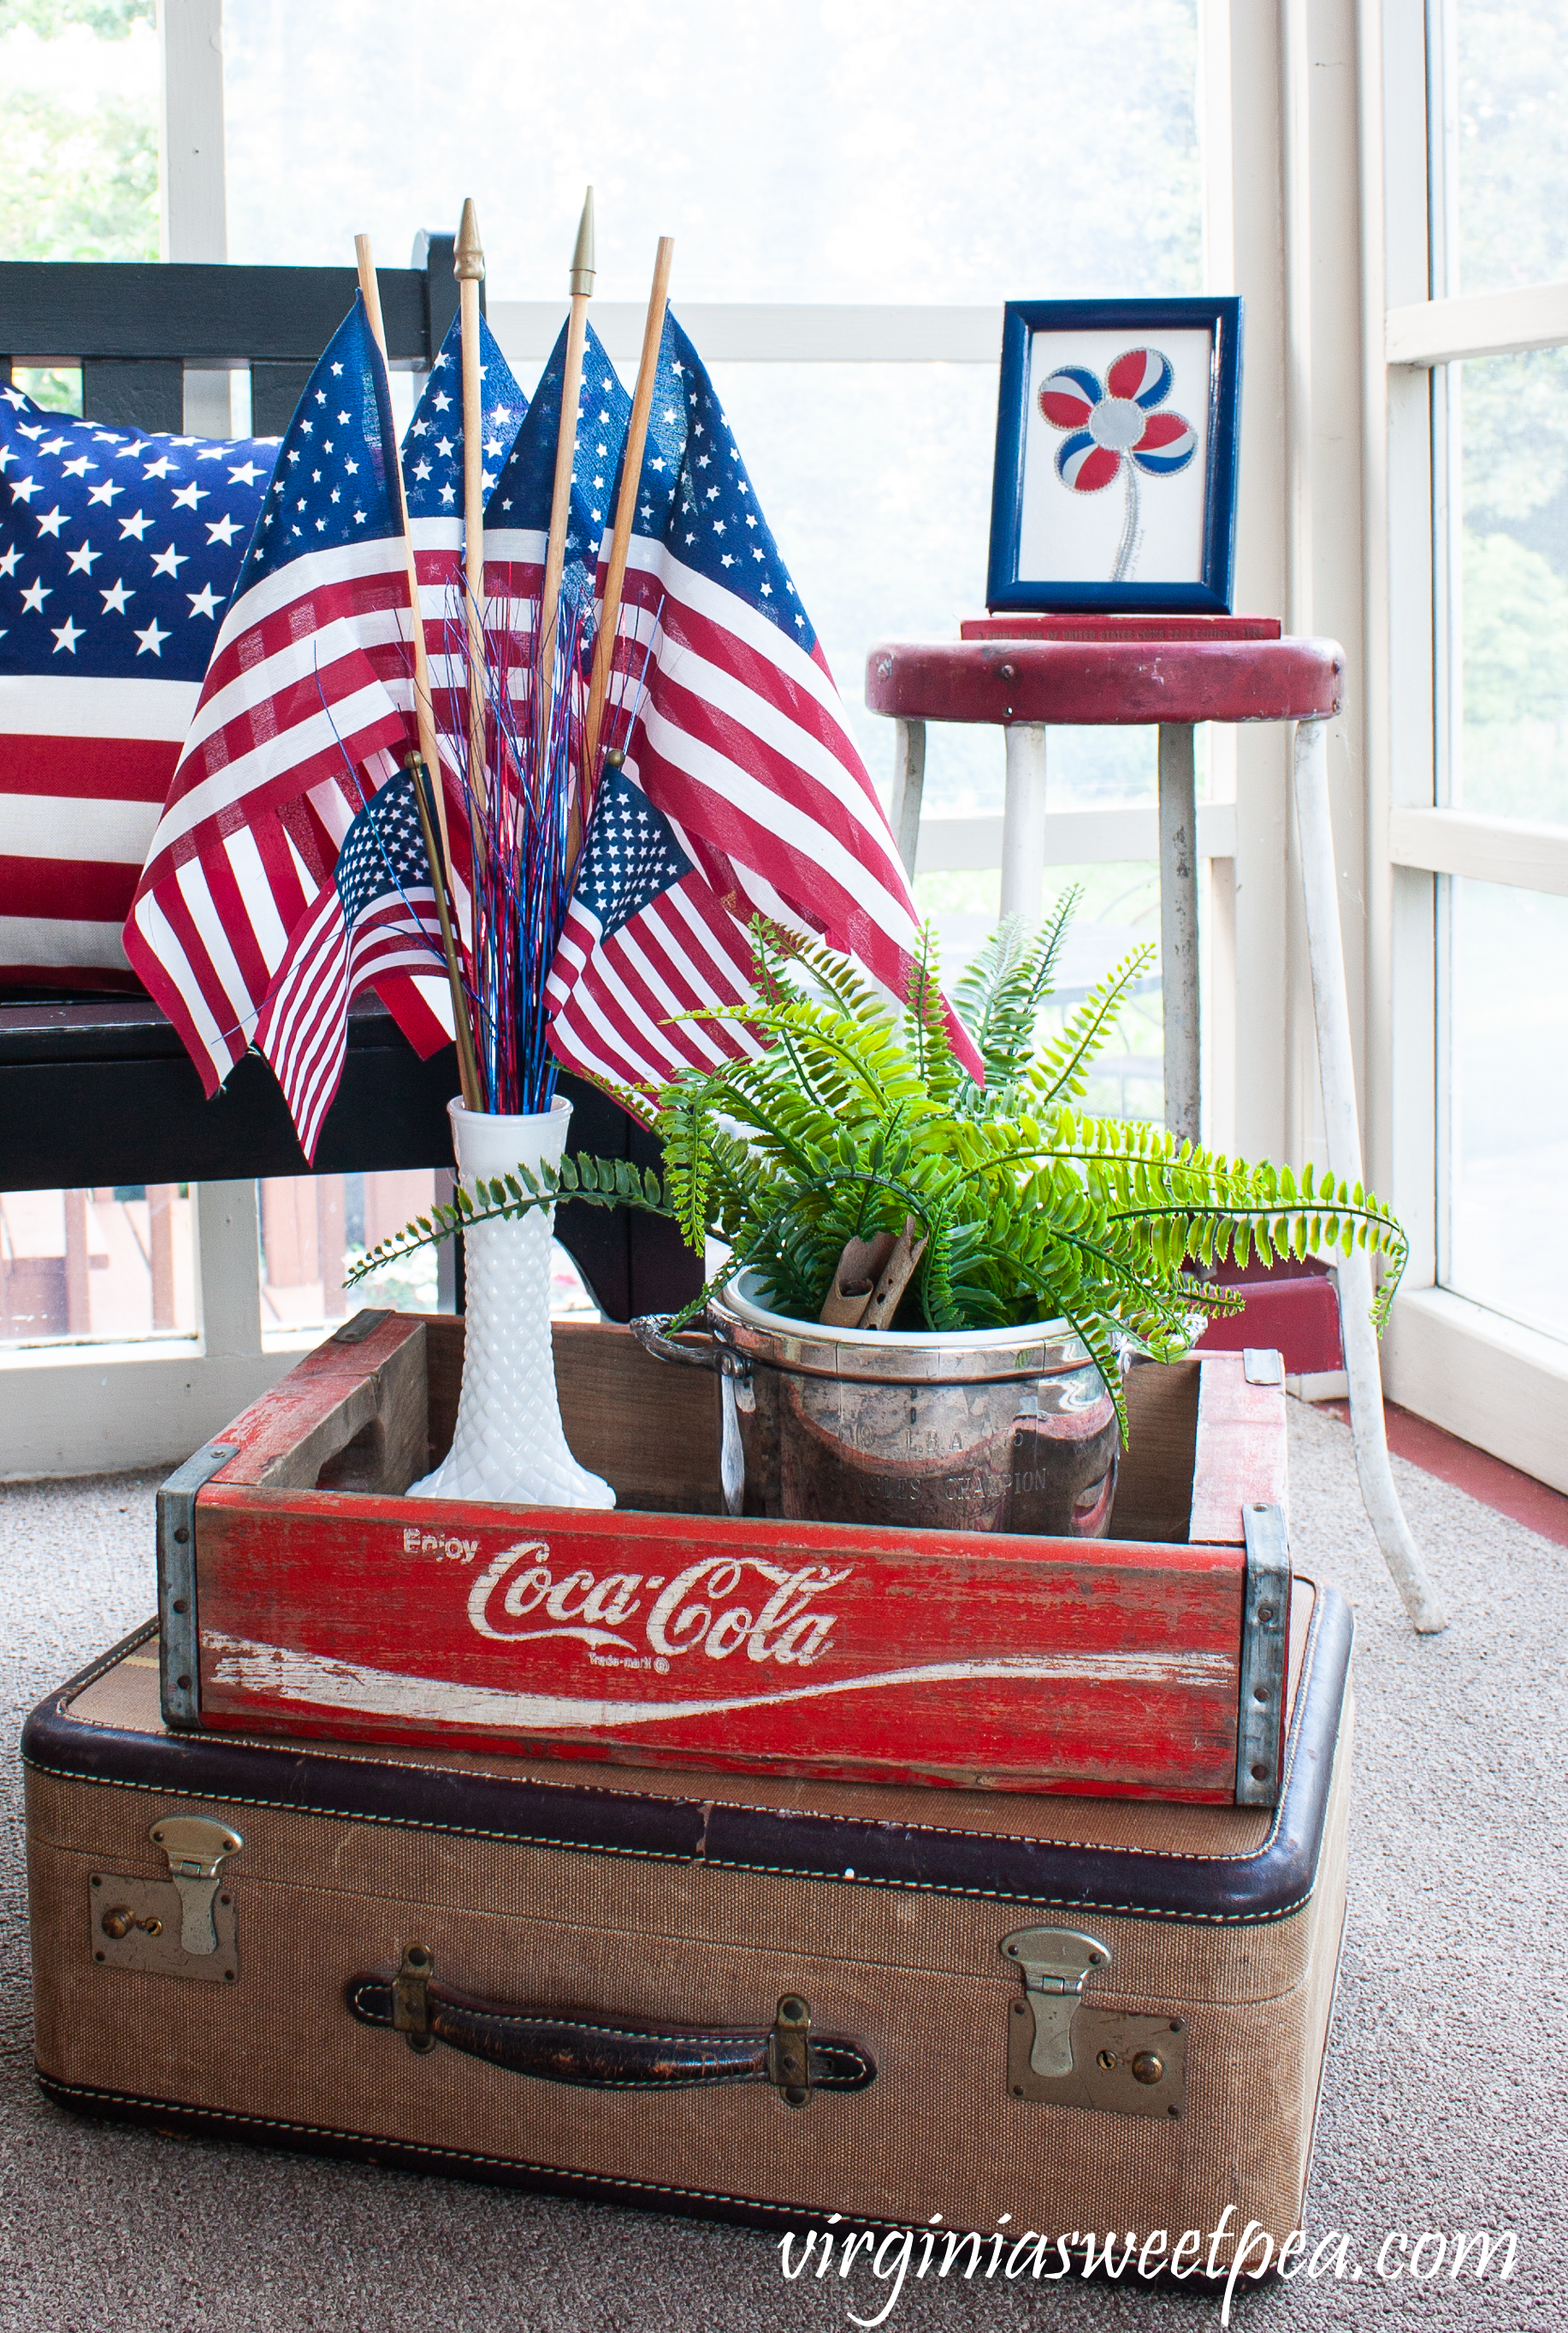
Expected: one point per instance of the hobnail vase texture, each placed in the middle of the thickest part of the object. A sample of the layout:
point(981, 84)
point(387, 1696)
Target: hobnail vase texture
point(509, 1442)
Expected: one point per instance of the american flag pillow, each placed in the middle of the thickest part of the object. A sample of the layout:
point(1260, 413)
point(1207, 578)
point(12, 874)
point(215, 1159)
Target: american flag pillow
point(118, 552)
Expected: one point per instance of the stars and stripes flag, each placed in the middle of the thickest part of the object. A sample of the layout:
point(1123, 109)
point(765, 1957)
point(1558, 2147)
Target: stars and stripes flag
point(433, 458)
point(645, 942)
point(376, 917)
point(738, 738)
point(305, 711)
point(118, 552)
point(517, 515)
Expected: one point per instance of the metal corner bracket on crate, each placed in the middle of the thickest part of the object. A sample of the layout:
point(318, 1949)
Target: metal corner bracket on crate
point(1265, 1644)
point(178, 1635)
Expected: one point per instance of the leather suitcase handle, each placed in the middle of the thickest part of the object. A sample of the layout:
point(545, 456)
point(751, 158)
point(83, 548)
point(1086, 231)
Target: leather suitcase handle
point(591, 2054)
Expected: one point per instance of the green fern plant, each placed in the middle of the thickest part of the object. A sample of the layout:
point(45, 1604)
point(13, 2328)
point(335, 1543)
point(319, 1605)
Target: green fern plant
point(855, 1115)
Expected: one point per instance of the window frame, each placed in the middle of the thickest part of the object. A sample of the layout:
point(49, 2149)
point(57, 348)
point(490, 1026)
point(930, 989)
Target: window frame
point(1469, 1367)
point(1311, 145)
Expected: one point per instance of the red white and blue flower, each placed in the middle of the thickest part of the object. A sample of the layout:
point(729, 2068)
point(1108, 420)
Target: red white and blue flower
point(1116, 422)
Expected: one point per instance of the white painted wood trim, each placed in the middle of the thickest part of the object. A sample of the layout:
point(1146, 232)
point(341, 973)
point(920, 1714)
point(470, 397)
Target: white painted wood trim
point(94, 1409)
point(1487, 1379)
point(193, 201)
point(1532, 857)
point(228, 1268)
point(1481, 324)
point(950, 842)
point(1023, 822)
point(1401, 1050)
point(1241, 81)
point(742, 332)
point(91, 1408)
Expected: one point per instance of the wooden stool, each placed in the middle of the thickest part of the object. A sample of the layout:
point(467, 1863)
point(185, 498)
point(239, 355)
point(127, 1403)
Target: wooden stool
point(1022, 673)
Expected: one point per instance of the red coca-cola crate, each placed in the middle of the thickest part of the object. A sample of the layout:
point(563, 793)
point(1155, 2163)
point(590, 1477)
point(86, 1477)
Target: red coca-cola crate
point(302, 1593)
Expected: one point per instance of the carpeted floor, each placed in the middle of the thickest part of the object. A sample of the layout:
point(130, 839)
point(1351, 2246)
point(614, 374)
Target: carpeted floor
point(1446, 2098)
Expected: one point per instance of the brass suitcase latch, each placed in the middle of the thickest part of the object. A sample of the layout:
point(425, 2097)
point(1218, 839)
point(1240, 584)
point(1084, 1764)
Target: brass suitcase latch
point(183, 1925)
point(1065, 2051)
point(1055, 1965)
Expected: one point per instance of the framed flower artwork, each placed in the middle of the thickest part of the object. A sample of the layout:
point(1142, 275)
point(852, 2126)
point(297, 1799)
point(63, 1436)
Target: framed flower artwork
point(1116, 472)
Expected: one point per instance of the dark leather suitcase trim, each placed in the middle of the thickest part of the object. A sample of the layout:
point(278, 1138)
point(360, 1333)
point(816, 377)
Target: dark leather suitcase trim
point(1267, 1883)
point(172, 2121)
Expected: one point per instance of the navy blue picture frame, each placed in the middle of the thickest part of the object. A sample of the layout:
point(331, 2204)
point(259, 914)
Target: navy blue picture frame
point(1006, 589)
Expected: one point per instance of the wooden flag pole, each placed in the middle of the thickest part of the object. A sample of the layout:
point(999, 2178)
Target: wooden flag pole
point(424, 712)
point(627, 506)
point(582, 286)
point(425, 720)
point(468, 266)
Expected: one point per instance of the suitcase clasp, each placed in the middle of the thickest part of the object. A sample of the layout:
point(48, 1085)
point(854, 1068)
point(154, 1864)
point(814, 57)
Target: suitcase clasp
point(411, 1998)
point(1055, 1964)
point(197, 1846)
point(789, 2050)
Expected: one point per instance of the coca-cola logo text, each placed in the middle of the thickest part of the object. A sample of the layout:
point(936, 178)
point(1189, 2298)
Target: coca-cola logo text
point(520, 1599)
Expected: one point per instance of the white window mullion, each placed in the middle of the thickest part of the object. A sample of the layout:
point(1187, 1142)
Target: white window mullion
point(1529, 855)
point(228, 1268)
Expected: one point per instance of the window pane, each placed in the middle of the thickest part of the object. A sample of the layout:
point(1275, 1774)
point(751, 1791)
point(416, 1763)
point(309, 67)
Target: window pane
point(313, 1228)
point(1507, 1098)
point(100, 1266)
point(897, 150)
point(1511, 142)
point(79, 161)
point(1511, 758)
point(1119, 909)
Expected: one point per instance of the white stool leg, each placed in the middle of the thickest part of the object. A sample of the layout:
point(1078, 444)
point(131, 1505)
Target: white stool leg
point(908, 785)
point(1024, 821)
point(1178, 930)
point(1331, 1013)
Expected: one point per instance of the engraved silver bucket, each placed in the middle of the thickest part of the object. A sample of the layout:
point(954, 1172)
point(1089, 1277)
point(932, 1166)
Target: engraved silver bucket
point(986, 1429)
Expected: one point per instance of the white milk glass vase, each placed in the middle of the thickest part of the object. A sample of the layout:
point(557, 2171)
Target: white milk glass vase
point(509, 1442)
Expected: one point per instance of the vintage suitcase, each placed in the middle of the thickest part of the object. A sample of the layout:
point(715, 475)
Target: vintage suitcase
point(301, 1592)
point(745, 1997)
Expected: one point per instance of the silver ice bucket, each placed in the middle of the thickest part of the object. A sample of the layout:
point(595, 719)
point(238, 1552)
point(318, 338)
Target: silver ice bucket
point(989, 1429)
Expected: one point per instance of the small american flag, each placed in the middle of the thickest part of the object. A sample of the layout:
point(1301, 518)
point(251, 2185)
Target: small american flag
point(306, 708)
point(738, 736)
point(433, 487)
point(375, 918)
point(645, 942)
point(118, 552)
point(517, 516)
point(433, 454)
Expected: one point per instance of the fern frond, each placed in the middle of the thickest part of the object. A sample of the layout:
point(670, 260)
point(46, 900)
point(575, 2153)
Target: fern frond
point(1061, 1072)
point(504, 1198)
point(1000, 997)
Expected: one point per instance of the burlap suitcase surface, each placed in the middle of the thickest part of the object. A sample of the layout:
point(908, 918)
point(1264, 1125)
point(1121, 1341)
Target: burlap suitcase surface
point(608, 1977)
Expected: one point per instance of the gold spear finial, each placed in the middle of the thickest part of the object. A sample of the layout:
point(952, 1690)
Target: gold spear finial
point(582, 258)
point(468, 258)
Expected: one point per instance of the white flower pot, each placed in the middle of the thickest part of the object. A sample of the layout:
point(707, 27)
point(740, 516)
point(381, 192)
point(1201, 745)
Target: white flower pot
point(509, 1443)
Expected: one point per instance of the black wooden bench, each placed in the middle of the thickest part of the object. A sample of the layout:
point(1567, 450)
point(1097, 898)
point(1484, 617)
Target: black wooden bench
point(99, 1089)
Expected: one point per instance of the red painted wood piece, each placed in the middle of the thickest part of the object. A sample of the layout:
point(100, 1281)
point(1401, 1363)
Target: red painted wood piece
point(1119, 627)
point(330, 1606)
point(334, 1392)
point(1241, 1458)
point(1292, 1307)
point(1105, 683)
point(785, 1648)
point(350, 1415)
